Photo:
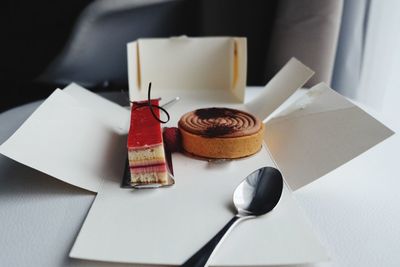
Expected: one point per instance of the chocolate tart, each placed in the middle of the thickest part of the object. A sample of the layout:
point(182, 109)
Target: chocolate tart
point(221, 133)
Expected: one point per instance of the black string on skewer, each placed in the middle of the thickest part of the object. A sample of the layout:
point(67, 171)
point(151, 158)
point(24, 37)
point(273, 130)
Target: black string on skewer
point(151, 106)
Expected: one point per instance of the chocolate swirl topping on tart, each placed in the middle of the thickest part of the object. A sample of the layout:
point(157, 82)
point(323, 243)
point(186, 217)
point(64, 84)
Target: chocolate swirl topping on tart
point(220, 122)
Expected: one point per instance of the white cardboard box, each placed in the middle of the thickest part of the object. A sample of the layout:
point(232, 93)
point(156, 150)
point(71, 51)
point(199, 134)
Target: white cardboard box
point(80, 138)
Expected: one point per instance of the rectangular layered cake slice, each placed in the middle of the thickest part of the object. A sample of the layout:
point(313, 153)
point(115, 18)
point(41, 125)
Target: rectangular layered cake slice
point(145, 146)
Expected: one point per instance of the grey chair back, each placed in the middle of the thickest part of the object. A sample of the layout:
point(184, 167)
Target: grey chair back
point(95, 54)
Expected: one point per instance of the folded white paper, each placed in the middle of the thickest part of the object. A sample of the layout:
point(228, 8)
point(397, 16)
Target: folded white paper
point(106, 111)
point(167, 226)
point(206, 63)
point(290, 78)
point(77, 140)
point(318, 133)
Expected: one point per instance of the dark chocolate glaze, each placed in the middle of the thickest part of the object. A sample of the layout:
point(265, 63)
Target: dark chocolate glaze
point(219, 122)
point(218, 130)
point(214, 113)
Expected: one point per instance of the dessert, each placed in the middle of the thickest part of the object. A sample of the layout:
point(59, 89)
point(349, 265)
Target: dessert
point(221, 133)
point(145, 146)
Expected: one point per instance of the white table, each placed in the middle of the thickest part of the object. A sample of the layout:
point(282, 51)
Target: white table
point(355, 209)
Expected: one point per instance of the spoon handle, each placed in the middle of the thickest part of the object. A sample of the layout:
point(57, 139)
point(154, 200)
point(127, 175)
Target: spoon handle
point(202, 255)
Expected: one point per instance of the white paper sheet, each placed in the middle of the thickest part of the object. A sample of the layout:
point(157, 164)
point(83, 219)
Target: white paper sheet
point(206, 63)
point(291, 77)
point(106, 111)
point(318, 133)
point(66, 139)
point(168, 225)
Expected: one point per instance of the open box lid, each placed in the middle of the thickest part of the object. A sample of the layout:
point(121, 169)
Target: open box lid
point(319, 132)
point(182, 63)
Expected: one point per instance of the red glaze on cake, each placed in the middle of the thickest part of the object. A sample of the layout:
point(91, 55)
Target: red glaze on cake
point(145, 146)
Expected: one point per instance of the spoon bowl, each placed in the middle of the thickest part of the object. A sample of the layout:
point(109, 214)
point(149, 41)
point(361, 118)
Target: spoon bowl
point(259, 192)
point(256, 195)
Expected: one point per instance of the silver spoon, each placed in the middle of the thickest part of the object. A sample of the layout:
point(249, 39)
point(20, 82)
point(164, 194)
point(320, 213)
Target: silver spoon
point(258, 194)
